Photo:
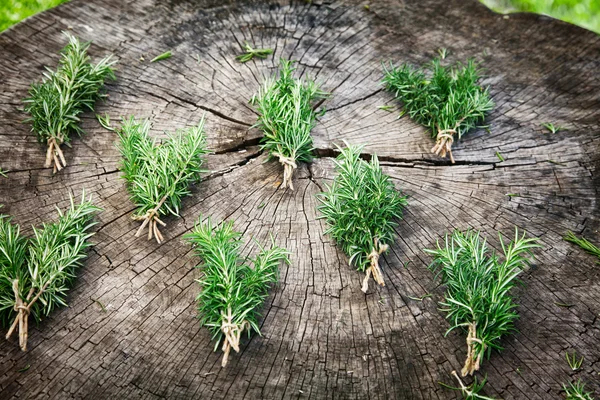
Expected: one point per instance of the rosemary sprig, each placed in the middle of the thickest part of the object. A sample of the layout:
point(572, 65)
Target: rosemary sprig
point(36, 273)
point(250, 53)
point(576, 391)
point(573, 362)
point(163, 56)
point(232, 291)
point(56, 103)
point(105, 122)
point(159, 175)
point(359, 208)
point(553, 128)
point(286, 116)
point(583, 243)
point(447, 100)
point(478, 288)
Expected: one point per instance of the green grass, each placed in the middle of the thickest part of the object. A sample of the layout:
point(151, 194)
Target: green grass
point(585, 13)
point(13, 11)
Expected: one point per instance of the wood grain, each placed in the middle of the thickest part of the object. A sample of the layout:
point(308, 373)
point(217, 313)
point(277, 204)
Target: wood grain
point(322, 337)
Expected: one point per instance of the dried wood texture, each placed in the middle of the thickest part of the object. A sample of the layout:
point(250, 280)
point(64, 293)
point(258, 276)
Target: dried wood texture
point(322, 336)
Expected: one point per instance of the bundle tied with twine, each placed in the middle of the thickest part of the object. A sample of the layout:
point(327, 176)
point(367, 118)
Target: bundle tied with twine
point(56, 103)
point(374, 268)
point(446, 99)
point(233, 291)
point(287, 113)
point(23, 309)
point(159, 174)
point(232, 333)
point(289, 165)
point(37, 272)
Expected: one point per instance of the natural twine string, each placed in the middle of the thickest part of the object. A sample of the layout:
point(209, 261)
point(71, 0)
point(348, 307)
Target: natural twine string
point(463, 388)
point(289, 165)
point(23, 309)
point(374, 269)
point(53, 154)
point(443, 143)
point(472, 363)
point(233, 333)
point(151, 218)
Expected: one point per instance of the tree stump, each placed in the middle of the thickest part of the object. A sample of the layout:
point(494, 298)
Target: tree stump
point(322, 337)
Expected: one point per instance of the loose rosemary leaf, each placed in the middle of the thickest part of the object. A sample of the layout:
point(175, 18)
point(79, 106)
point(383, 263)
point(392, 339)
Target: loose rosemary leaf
point(250, 53)
point(232, 292)
point(56, 103)
point(163, 56)
point(585, 244)
point(359, 209)
point(159, 175)
point(40, 271)
point(286, 116)
point(447, 100)
point(478, 288)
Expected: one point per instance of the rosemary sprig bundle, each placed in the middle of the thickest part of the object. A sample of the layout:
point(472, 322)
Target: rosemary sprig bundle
point(56, 103)
point(159, 175)
point(286, 116)
point(447, 100)
point(36, 273)
point(478, 288)
point(359, 208)
point(232, 291)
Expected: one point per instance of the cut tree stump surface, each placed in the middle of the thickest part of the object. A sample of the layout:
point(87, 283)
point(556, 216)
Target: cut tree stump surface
point(321, 336)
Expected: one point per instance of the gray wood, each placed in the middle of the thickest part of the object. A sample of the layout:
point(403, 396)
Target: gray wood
point(322, 337)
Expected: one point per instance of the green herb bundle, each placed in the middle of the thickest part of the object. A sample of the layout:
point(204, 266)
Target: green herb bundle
point(159, 175)
point(478, 288)
point(232, 291)
point(447, 100)
point(286, 116)
point(56, 103)
point(359, 208)
point(36, 273)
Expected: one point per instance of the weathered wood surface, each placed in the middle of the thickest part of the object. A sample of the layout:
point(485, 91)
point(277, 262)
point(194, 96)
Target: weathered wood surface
point(322, 337)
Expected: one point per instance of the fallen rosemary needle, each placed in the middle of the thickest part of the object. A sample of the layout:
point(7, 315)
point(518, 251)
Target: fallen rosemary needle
point(159, 175)
point(360, 208)
point(478, 288)
point(286, 116)
point(37, 273)
point(585, 244)
point(56, 103)
point(447, 100)
point(163, 56)
point(232, 291)
point(250, 53)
